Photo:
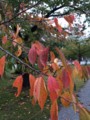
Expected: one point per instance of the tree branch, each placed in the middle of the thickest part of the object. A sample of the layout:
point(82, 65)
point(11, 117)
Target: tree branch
point(7, 52)
point(4, 22)
point(53, 10)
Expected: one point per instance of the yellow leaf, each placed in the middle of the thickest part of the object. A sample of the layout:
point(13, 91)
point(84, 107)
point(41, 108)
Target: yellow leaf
point(66, 99)
point(84, 114)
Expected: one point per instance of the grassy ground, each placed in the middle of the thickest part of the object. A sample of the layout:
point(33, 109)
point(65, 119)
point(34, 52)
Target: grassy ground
point(12, 108)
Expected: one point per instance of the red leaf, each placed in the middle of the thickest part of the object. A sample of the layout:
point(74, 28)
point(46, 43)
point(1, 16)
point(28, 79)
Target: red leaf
point(32, 81)
point(44, 56)
point(65, 78)
point(69, 18)
point(39, 47)
point(2, 65)
point(57, 25)
point(4, 39)
point(40, 64)
point(18, 84)
point(54, 111)
point(32, 55)
point(53, 88)
point(40, 92)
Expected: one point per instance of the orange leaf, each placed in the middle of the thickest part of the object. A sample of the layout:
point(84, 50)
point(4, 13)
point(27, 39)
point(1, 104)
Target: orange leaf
point(40, 92)
point(71, 83)
point(66, 99)
point(57, 25)
point(54, 111)
point(18, 84)
point(32, 55)
point(53, 87)
point(17, 40)
point(32, 81)
point(60, 84)
point(2, 65)
point(4, 39)
point(19, 51)
point(52, 56)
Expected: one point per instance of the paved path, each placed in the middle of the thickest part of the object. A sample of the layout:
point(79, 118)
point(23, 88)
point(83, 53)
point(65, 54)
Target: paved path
point(84, 97)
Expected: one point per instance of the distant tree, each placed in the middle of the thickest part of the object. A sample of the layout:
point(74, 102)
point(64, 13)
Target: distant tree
point(77, 49)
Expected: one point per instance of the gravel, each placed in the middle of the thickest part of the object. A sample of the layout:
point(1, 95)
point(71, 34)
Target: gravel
point(84, 97)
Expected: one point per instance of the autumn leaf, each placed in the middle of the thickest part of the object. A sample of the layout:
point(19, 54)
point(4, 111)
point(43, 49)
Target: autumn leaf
point(63, 59)
point(79, 68)
point(2, 65)
point(69, 18)
point(52, 56)
point(40, 92)
point(32, 55)
point(66, 99)
point(77, 65)
point(44, 56)
point(4, 39)
point(32, 81)
point(39, 47)
point(40, 64)
point(54, 66)
point(84, 114)
point(65, 78)
point(57, 25)
point(19, 51)
point(18, 83)
point(54, 111)
point(17, 40)
point(60, 84)
point(53, 87)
